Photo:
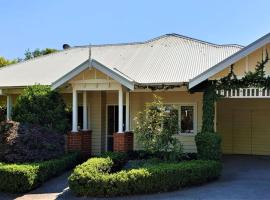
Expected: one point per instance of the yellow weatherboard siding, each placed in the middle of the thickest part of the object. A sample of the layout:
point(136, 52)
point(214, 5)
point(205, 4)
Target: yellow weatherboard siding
point(246, 64)
point(244, 126)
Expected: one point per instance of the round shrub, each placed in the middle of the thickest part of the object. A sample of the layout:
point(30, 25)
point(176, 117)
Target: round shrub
point(208, 146)
point(38, 104)
point(94, 177)
point(21, 142)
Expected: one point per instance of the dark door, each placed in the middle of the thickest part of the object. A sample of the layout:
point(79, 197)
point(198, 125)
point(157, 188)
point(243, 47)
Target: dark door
point(112, 126)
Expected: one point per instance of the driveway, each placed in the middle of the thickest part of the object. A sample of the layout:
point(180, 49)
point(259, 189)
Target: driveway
point(244, 177)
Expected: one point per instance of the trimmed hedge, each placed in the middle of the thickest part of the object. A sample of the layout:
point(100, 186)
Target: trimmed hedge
point(208, 146)
point(18, 178)
point(93, 178)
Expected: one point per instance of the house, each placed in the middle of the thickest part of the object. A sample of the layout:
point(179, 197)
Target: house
point(106, 85)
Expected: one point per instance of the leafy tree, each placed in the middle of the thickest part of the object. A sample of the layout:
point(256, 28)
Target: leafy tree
point(4, 61)
point(37, 52)
point(156, 127)
point(38, 104)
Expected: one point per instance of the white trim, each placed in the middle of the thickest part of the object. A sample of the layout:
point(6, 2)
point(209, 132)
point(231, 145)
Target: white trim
point(195, 125)
point(195, 120)
point(119, 77)
point(85, 114)
point(70, 75)
point(230, 60)
point(120, 111)
point(127, 112)
point(74, 110)
point(114, 74)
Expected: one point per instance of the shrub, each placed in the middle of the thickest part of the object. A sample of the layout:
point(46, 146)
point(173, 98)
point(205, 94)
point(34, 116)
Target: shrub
point(208, 146)
point(29, 143)
point(155, 128)
point(93, 178)
point(18, 178)
point(38, 104)
point(118, 158)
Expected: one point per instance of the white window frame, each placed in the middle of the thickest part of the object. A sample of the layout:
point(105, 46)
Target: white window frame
point(194, 105)
point(178, 107)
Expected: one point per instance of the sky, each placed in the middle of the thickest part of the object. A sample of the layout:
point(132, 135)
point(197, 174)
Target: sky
point(31, 24)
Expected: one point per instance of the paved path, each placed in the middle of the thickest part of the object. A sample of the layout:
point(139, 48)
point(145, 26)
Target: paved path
point(244, 177)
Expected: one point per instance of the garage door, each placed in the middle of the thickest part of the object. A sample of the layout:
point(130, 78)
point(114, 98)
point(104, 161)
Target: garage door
point(244, 126)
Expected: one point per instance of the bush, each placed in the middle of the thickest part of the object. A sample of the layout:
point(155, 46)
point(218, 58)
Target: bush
point(93, 178)
point(208, 146)
point(18, 178)
point(118, 158)
point(38, 104)
point(3, 111)
point(29, 143)
point(155, 130)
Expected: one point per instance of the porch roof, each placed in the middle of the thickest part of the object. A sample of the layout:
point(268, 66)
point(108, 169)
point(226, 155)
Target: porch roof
point(168, 59)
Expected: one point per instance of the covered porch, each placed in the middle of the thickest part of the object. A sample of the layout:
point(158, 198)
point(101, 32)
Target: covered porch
point(100, 113)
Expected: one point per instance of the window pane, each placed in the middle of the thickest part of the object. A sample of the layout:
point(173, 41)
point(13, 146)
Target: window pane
point(172, 112)
point(187, 116)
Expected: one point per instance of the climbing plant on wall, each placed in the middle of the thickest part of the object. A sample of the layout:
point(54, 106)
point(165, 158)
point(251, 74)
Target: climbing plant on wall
point(256, 79)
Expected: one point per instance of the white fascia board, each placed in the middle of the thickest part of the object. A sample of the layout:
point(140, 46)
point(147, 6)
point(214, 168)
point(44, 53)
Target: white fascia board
point(230, 60)
point(70, 75)
point(113, 74)
point(127, 82)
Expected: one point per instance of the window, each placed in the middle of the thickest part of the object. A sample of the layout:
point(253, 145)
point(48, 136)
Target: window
point(185, 117)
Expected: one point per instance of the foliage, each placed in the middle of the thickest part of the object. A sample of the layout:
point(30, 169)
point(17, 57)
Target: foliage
point(93, 178)
point(208, 146)
point(4, 61)
point(256, 79)
point(20, 142)
point(118, 158)
point(209, 99)
point(38, 104)
point(18, 178)
point(37, 52)
point(155, 129)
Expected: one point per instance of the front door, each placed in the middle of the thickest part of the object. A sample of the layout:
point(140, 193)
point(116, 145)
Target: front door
point(112, 124)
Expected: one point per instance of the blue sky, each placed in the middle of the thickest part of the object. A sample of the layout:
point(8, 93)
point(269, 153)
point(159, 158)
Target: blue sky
point(39, 24)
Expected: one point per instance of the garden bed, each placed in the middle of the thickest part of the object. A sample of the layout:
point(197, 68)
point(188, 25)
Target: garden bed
point(100, 177)
point(18, 178)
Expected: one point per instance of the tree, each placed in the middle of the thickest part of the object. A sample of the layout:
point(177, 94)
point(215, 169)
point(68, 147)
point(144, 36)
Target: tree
point(37, 52)
point(156, 127)
point(38, 104)
point(4, 61)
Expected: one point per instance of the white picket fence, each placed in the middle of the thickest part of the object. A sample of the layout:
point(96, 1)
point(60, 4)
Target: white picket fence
point(245, 93)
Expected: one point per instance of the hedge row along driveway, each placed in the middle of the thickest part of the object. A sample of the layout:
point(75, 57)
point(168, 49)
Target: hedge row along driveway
point(93, 178)
point(19, 178)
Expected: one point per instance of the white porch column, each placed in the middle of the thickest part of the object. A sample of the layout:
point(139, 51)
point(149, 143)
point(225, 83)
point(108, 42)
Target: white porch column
point(85, 121)
point(120, 111)
point(9, 107)
point(74, 110)
point(127, 111)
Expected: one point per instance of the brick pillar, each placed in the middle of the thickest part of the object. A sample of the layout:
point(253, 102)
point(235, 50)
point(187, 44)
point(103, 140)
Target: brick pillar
point(123, 142)
point(79, 141)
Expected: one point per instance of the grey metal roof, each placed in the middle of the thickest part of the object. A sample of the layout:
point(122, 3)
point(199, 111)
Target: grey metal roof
point(170, 58)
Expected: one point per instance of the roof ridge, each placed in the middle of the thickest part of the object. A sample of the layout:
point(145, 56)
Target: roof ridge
point(160, 37)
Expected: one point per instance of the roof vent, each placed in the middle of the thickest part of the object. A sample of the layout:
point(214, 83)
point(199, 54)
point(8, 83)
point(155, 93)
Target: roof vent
point(66, 46)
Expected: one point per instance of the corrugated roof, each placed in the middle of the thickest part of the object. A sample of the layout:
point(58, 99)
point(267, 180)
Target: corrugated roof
point(167, 59)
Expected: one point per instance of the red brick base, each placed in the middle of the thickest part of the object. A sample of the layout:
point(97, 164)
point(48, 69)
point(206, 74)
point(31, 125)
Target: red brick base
point(122, 142)
point(79, 141)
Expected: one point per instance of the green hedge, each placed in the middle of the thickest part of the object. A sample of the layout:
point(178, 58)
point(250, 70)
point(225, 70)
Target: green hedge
point(208, 146)
point(18, 178)
point(93, 178)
